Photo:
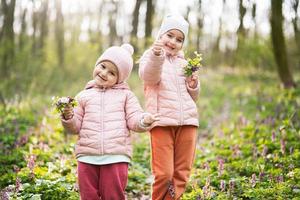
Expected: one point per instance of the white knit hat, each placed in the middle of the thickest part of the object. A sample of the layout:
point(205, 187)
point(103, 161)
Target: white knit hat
point(173, 21)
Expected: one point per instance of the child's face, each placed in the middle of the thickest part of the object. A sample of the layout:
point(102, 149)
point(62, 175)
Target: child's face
point(105, 74)
point(172, 41)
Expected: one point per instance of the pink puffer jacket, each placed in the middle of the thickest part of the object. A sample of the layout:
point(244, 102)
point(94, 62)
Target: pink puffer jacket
point(103, 119)
point(166, 91)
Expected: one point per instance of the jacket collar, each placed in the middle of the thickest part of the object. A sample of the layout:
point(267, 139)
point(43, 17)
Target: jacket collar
point(180, 54)
point(92, 84)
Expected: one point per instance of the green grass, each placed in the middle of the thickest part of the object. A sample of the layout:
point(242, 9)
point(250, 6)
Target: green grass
point(247, 122)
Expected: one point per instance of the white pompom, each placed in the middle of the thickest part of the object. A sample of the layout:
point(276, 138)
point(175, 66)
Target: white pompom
point(128, 47)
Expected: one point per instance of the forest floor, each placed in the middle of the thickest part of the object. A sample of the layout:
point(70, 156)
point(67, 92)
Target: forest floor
point(248, 144)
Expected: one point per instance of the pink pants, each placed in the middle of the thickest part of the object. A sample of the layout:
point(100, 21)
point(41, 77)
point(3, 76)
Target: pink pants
point(105, 182)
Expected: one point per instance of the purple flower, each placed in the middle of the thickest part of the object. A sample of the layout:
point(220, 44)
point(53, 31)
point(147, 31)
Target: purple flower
point(261, 175)
point(22, 141)
point(220, 167)
point(254, 151)
point(265, 151)
point(171, 189)
point(206, 188)
point(31, 162)
point(282, 146)
point(194, 68)
point(222, 185)
point(253, 180)
point(231, 185)
point(236, 151)
point(4, 195)
point(279, 179)
point(271, 178)
point(18, 184)
point(273, 136)
point(206, 166)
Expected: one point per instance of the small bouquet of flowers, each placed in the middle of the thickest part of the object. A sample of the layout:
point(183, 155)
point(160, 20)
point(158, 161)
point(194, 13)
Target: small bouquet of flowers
point(193, 65)
point(61, 102)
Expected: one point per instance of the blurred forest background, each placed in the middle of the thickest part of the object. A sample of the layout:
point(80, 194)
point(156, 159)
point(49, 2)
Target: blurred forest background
point(47, 46)
point(249, 107)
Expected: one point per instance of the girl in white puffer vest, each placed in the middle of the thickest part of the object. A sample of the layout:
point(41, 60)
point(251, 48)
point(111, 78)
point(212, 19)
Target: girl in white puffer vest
point(107, 110)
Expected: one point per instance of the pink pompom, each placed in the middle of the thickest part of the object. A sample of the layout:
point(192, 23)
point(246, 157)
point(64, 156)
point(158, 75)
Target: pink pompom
point(128, 47)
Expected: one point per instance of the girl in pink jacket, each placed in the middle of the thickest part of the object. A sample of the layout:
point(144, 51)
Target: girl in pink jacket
point(170, 93)
point(107, 110)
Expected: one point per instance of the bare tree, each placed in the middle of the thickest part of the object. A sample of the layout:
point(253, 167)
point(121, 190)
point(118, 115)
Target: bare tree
point(23, 35)
point(40, 28)
point(242, 12)
point(135, 23)
point(254, 19)
point(96, 35)
point(7, 43)
point(112, 23)
point(241, 30)
point(217, 42)
point(59, 33)
point(279, 47)
point(35, 30)
point(148, 23)
point(295, 22)
point(199, 24)
point(7, 37)
point(43, 20)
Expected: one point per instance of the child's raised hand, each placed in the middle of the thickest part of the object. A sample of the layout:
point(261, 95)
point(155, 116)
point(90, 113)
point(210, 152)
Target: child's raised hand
point(157, 48)
point(192, 80)
point(68, 112)
point(149, 118)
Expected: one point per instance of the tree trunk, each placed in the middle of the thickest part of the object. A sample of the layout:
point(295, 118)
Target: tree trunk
point(7, 38)
point(295, 24)
point(254, 19)
point(279, 47)
point(35, 31)
point(135, 23)
point(23, 34)
point(43, 25)
point(199, 25)
point(241, 30)
point(217, 42)
point(112, 24)
point(59, 34)
point(148, 23)
point(242, 11)
point(99, 33)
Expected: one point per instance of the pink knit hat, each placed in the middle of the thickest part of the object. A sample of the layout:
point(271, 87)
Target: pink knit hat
point(121, 56)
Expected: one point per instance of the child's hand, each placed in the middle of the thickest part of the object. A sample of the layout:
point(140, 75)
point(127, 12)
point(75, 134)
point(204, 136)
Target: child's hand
point(67, 112)
point(149, 118)
point(157, 48)
point(192, 81)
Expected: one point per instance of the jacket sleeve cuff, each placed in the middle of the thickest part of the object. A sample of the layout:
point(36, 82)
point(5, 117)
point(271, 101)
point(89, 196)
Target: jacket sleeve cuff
point(194, 92)
point(142, 125)
point(156, 58)
point(69, 124)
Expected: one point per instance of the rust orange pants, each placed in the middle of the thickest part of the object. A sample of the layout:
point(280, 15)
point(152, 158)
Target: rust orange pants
point(173, 150)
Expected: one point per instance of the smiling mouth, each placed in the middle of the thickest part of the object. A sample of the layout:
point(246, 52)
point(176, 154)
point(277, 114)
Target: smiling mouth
point(171, 48)
point(101, 77)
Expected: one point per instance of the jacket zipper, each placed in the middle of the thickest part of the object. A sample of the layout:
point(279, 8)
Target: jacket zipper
point(180, 99)
point(101, 122)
